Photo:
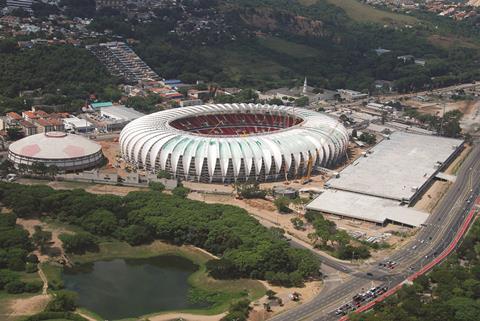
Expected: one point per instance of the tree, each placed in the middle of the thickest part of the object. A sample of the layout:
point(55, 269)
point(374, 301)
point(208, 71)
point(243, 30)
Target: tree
point(23, 168)
point(368, 138)
point(63, 301)
point(53, 170)
point(181, 191)
point(41, 238)
point(79, 243)
point(302, 101)
point(15, 287)
point(156, 186)
point(298, 223)
point(163, 174)
point(250, 189)
point(282, 204)
point(39, 168)
point(100, 221)
point(6, 166)
point(238, 311)
point(14, 133)
point(137, 234)
point(270, 294)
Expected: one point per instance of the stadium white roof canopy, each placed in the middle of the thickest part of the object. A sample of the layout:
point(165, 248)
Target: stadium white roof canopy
point(153, 143)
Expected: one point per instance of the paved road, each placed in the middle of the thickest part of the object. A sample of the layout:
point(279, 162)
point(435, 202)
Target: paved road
point(431, 240)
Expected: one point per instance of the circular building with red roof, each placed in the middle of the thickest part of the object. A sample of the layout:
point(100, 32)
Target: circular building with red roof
point(69, 152)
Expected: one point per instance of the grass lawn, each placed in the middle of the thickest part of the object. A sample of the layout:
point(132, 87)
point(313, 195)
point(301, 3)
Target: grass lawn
point(30, 277)
point(226, 290)
point(288, 47)
point(365, 13)
point(53, 273)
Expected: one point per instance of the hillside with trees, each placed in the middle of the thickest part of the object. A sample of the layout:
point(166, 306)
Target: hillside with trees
point(247, 249)
point(275, 43)
point(63, 74)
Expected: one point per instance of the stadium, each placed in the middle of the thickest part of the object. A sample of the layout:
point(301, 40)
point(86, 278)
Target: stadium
point(68, 152)
point(234, 142)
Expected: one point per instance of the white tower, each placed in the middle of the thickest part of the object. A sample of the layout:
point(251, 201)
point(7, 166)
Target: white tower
point(305, 86)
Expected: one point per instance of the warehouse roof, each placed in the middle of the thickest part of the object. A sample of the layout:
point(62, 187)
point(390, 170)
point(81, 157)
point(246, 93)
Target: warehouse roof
point(366, 208)
point(397, 167)
point(121, 113)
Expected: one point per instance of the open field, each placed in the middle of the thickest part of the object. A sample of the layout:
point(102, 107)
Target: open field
point(365, 13)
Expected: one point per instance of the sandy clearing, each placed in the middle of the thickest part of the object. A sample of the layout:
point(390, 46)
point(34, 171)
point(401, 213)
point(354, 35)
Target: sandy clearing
point(28, 306)
point(307, 293)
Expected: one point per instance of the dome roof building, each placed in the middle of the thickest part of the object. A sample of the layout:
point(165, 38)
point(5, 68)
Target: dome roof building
point(230, 142)
point(68, 152)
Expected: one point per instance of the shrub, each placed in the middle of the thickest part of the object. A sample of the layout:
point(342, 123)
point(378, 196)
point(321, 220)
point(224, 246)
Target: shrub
point(63, 301)
point(79, 243)
point(31, 267)
point(156, 186)
point(238, 311)
point(181, 191)
point(32, 258)
point(281, 204)
point(15, 287)
point(33, 287)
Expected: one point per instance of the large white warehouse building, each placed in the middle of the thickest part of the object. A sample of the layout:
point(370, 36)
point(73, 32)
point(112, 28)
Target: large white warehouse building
point(230, 142)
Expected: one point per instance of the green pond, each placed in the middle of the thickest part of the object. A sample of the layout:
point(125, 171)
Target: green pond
point(123, 288)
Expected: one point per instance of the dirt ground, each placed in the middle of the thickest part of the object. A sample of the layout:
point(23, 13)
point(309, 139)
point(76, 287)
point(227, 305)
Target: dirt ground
point(186, 317)
point(307, 293)
point(27, 306)
point(430, 198)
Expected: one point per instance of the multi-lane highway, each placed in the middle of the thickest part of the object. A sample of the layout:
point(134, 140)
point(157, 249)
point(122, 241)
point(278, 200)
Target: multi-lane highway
point(438, 232)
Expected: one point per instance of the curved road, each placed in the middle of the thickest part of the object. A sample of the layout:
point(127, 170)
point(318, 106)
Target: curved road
point(431, 240)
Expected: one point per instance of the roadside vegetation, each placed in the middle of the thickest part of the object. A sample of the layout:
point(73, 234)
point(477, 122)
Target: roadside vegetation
point(448, 125)
point(450, 292)
point(336, 242)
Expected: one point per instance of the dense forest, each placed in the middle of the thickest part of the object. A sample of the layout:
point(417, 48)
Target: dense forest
point(450, 292)
point(15, 246)
point(66, 74)
point(246, 248)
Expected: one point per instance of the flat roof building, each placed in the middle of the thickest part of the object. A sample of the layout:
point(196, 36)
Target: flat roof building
point(120, 113)
point(366, 208)
point(397, 168)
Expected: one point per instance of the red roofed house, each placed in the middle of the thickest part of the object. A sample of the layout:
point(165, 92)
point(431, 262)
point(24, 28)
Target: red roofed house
point(44, 126)
point(57, 124)
point(13, 118)
point(29, 115)
point(28, 128)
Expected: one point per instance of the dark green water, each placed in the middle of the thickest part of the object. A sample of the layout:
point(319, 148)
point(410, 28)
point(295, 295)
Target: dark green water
point(124, 288)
